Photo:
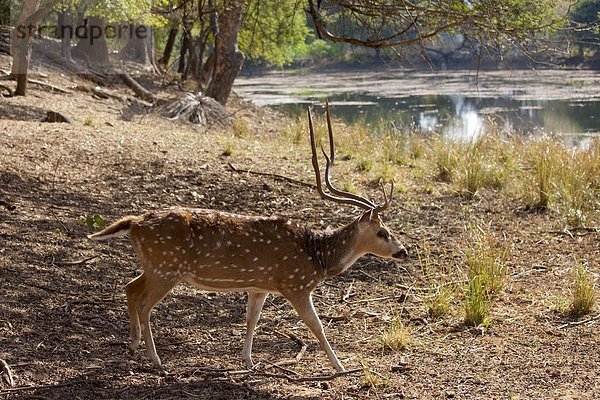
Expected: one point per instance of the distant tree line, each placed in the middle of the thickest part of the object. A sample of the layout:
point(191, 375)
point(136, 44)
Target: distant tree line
point(207, 41)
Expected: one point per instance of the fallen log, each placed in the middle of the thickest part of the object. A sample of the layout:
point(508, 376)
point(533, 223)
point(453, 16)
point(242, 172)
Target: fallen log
point(138, 89)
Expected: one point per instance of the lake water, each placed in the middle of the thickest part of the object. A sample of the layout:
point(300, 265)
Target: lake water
point(461, 104)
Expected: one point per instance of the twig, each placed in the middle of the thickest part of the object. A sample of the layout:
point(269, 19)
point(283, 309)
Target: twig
point(348, 292)
point(277, 176)
point(279, 365)
point(48, 85)
point(7, 373)
point(574, 323)
point(320, 378)
point(51, 289)
point(316, 378)
point(299, 341)
point(373, 299)
point(78, 262)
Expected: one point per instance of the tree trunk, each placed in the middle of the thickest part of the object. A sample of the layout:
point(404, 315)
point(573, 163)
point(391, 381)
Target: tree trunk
point(184, 46)
point(21, 47)
point(164, 60)
point(140, 45)
point(65, 34)
point(228, 57)
point(92, 47)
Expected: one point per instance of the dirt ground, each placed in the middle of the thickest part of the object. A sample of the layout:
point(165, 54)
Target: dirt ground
point(63, 319)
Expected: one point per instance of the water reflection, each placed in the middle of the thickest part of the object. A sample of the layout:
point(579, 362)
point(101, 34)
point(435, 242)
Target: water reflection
point(462, 117)
point(448, 105)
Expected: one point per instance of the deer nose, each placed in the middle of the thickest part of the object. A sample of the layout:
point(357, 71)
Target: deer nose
point(401, 254)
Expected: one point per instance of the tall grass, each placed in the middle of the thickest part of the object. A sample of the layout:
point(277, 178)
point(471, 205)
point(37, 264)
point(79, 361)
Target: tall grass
point(542, 172)
point(486, 162)
point(563, 178)
point(486, 258)
point(583, 291)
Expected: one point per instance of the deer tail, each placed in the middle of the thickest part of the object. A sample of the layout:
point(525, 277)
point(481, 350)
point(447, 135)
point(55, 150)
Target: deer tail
point(116, 229)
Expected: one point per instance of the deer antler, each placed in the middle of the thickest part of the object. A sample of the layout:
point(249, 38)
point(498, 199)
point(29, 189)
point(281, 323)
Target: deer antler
point(340, 198)
point(339, 195)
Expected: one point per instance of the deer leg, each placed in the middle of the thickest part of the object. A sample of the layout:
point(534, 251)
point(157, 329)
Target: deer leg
point(302, 303)
point(134, 289)
point(155, 290)
point(253, 309)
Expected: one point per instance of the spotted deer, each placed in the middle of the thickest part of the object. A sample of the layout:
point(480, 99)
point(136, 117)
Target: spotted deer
point(220, 251)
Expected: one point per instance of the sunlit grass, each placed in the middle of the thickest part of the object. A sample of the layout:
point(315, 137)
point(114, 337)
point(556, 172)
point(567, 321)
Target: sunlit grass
point(540, 172)
point(439, 301)
point(485, 257)
point(373, 379)
point(478, 303)
point(397, 337)
point(583, 291)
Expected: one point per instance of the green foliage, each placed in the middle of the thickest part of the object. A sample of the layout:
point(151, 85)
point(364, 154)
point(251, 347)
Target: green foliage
point(119, 11)
point(94, 222)
point(273, 31)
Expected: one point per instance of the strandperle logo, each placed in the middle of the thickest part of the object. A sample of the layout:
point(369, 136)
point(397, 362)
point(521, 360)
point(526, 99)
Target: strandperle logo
point(84, 31)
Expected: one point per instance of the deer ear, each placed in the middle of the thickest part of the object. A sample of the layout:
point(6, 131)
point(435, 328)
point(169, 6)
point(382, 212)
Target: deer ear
point(367, 216)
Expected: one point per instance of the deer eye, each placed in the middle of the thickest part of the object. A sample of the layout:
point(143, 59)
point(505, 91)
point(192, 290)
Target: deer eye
point(383, 234)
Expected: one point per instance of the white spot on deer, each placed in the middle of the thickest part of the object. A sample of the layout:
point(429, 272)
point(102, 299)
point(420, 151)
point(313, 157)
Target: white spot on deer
point(261, 268)
point(169, 237)
point(295, 257)
point(255, 259)
point(291, 276)
point(309, 258)
point(268, 241)
point(247, 250)
point(296, 269)
point(275, 248)
point(207, 255)
point(302, 277)
point(217, 262)
point(285, 258)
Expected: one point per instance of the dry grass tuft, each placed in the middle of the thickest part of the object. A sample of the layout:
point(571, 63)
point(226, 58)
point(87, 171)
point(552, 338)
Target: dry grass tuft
point(397, 337)
point(583, 291)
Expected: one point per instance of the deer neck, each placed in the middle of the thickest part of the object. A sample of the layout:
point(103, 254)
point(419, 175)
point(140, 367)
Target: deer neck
point(335, 251)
